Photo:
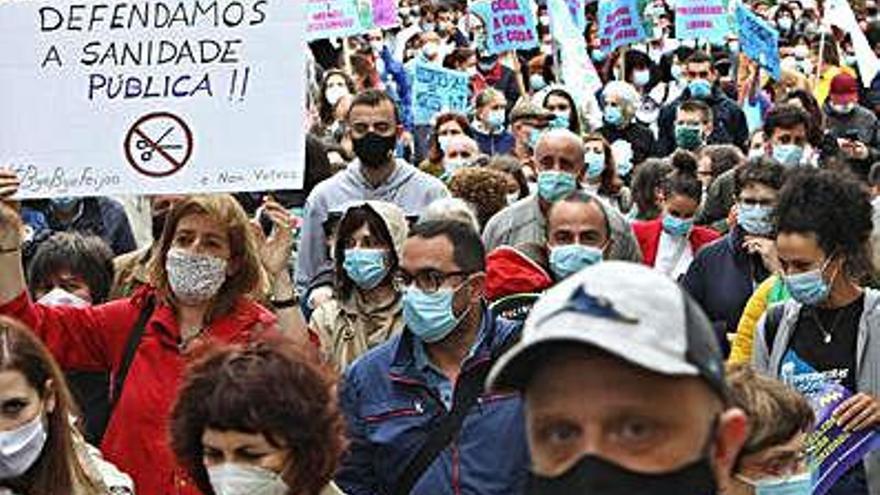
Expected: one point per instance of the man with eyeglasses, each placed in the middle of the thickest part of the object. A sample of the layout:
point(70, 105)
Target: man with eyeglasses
point(374, 126)
point(729, 121)
point(419, 419)
point(724, 274)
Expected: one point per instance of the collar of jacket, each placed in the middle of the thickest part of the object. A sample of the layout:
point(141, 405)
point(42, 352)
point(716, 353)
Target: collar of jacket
point(404, 369)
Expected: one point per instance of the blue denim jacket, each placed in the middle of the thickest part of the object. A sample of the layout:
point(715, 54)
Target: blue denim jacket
point(391, 409)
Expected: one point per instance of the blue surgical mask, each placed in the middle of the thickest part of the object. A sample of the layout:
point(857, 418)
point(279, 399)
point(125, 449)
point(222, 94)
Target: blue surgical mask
point(641, 78)
point(65, 203)
point(537, 82)
point(554, 185)
point(496, 119)
point(571, 258)
point(801, 484)
point(429, 316)
point(624, 167)
point(613, 115)
point(598, 56)
point(677, 227)
point(677, 72)
point(789, 155)
point(808, 288)
point(560, 122)
point(365, 267)
point(534, 137)
point(755, 219)
point(595, 163)
point(700, 88)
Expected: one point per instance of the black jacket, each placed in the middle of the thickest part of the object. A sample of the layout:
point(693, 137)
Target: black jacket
point(730, 126)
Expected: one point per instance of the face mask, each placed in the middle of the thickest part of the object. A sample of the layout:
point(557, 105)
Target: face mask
point(700, 88)
point(553, 185)
point(801, 484)
point(801, 52)
point(241, 479)
point(851, 60)
point(641, 78)
point(572, 258)
point(624, 168)
point(537, 82)
point(598, 56)
point(734, 46)
point(595, 476)
point(789, 155)
point(471, 71)
point(808, 288)
point(194, 278)
point(688, 137)
point(60, 297)
point(377, 45)
point(431, 50)
point(496, 119)
point(595, 163)
point(334, 94)
point(428, 27)
point(534, 137)
point(512, 198)
point(365, 267)
point(158, 225)
point(544, 20)
point(487, 64)
point(755, 219)
point(20, 448)
point(443, 142)
point(677, 227)
point(374, 150)
point(755, 153)
point(613, 115)
point(450, 165)
point(784, 23)
point(64, 204)
point(843, 109)
point(429, 316)
point(560, 122)
point(677, 72)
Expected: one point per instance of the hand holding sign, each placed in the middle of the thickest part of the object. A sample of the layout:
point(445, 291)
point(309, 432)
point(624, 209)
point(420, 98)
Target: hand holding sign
point(10, 222)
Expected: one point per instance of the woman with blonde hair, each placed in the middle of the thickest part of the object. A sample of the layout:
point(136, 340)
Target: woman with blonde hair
point(205, 276)
point(43, 452)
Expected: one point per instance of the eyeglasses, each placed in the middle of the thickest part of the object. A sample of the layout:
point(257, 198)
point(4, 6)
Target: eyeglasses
point(428, 281)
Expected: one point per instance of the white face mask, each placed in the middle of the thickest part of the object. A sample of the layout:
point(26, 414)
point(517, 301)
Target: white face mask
point(194, 278)
point(241, 479)
point(335, 93)
point(60, 297)
point(20, 448)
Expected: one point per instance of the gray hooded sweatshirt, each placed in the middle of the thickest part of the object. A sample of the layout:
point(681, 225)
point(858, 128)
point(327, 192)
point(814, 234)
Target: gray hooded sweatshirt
point(769, 361)
point(407, 187)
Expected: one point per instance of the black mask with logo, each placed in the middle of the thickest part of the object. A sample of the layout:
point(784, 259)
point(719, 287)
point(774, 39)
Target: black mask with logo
point(374, 150)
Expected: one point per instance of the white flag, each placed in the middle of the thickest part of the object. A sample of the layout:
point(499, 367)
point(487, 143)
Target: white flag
point(839, 13)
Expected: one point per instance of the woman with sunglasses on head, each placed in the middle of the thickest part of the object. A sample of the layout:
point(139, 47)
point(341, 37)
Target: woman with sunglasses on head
point(829, 331)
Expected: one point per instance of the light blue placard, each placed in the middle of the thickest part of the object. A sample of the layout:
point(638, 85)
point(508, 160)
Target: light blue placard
point(758, 40)
point(705, 20)
point(620, 24)
point(436, 90)
point(510, 24)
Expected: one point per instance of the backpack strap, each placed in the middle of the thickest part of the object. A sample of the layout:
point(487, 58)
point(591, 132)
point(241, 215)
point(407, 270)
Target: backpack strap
point(771, 324)
point(134, 340)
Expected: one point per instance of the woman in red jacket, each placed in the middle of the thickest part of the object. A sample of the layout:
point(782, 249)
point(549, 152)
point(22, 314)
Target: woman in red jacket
point(670, 242)
point(205, 274)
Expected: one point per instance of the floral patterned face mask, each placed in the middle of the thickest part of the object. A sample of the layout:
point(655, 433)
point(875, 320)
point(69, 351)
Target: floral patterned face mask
point(194, 278)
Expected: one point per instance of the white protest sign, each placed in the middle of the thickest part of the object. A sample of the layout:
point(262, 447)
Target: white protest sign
point(152, 97)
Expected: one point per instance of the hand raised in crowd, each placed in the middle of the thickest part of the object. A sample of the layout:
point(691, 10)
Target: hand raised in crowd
point(853, 149)
point(275, 248)
point(859, 412)
point(10, 222)
point(767, 249)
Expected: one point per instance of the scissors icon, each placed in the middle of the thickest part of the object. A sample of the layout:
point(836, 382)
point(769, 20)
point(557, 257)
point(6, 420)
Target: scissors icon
point(148, 148)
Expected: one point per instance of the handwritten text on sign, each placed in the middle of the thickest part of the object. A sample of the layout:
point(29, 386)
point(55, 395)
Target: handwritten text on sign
point(619, 24)
point(701, 19)
point(510, 24)
point(436, 90)
point(153, 96)
point(759, 41)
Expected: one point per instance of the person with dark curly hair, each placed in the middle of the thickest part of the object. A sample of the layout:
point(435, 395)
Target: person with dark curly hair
point(829, 331)
point(485, 188)
point(258, 419)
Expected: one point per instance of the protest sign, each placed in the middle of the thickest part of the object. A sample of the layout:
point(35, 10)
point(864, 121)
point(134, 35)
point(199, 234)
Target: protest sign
point(436, 90)
point(839, 13)
point(338, 18)
point(578, 11)
point(578, 71)
point(510, 24)
point(758, 40)
point(832, 451)
point(155, 97)
point(620, 24)
point(705, 20)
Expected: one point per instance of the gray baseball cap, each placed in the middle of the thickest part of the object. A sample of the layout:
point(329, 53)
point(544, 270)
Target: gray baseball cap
point(624, 309)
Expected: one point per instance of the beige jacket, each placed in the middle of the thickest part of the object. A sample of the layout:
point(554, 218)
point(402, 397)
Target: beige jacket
point(349, 325)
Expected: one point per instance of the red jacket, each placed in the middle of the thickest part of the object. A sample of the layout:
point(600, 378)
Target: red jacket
point(94, 338)
point(648, 235)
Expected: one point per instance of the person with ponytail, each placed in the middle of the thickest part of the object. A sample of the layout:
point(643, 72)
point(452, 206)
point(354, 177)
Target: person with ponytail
point(670, 242)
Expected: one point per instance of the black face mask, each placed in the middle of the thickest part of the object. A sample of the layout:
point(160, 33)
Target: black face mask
point(159, 225)
point(595, 476)
point(374, 150)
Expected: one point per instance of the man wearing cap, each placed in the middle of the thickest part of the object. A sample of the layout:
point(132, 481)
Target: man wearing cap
point(854, 126)
point(624, 388)
point(559, 158)
point(527, 122)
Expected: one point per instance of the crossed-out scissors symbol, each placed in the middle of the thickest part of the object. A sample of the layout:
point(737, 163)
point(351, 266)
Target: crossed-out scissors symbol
point(148, 148)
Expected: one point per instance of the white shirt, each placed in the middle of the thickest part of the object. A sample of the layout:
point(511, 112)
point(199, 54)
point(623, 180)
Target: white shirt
point(674, 255)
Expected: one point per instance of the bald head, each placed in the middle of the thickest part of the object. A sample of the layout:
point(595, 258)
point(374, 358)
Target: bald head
point(562, 150)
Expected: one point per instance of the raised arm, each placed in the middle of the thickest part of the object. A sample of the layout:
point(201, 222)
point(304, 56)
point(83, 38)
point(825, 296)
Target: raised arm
point(12, 282)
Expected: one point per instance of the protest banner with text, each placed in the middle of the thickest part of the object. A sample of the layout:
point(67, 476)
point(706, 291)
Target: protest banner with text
point(437, 90)
point(510, 24)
